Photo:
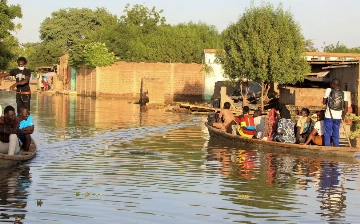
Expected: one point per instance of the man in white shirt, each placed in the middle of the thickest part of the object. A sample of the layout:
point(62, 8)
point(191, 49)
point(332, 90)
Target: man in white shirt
point(336, 102)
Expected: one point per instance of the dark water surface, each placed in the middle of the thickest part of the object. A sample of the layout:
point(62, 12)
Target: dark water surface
point(104, 161)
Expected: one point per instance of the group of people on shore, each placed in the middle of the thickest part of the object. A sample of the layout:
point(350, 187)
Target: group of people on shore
point(280, 127)
point(16, 129)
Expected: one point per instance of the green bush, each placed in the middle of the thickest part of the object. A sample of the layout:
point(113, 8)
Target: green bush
point(97, 55)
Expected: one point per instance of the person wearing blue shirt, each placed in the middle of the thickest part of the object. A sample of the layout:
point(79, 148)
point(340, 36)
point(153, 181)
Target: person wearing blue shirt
point(26, 128)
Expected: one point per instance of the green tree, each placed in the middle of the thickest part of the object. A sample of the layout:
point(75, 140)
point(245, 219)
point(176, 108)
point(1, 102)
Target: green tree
point(119, 38)
point(141, 16)
point(97, 54)
point(30, 51)
point(309, 46)
point(76, 55)
point(25, 50)
point(70, 25)
point(142, 35)
point(7, 41)
point(183, 43)
point(340, 48)
point(265, 45)
point(187, 42)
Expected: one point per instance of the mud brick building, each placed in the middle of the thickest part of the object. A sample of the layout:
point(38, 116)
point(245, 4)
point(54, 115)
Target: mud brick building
point(324, 68)
point(123, 79)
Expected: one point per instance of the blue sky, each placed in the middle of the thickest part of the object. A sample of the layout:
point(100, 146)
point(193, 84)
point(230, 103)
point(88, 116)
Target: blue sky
point(322, 21)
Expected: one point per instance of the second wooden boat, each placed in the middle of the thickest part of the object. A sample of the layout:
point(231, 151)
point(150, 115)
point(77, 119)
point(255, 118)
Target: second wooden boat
point(236, 140)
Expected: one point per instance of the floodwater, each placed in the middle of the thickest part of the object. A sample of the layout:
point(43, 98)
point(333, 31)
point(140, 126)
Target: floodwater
point(105, 161)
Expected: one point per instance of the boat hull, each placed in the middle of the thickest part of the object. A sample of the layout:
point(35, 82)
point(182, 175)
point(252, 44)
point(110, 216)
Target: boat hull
point(238, 141)
point(12, 160)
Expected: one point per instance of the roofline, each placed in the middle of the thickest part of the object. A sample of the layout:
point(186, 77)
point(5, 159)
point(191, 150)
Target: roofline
point(339, 62)
point(330, 54)
point(319, 54)
point(212, 51)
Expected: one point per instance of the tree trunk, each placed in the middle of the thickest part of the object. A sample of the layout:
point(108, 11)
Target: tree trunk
point(244, 96)
point(262, 96)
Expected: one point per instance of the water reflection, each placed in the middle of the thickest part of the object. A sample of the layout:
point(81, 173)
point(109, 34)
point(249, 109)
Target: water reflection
point(254, 181)
point(14, 185)
point(101, 160)
point(331, 191)
point(267, 180)
point(102, 113)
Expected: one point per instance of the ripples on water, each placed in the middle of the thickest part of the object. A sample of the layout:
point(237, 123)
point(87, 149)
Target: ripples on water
point(104, 161)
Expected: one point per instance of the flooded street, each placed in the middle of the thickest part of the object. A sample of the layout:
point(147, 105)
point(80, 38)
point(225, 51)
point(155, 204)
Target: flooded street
point(105, 161)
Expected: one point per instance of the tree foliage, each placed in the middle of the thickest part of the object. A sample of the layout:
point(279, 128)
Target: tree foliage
point(340, 48)
point(70, 25)
point(97, 54)
point(7, 41)
point(143, 17)
point(76, 54)
point(26, 50)
point(180, 43)
point(309, 46)
point(140, 35)
point(265, 45)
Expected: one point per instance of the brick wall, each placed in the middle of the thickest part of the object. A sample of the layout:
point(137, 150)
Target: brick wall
point(152, 91)
point(311, 98)
point(124, 79)
point(64, 71)
point(188, 79)
point(86, 81)
point(306, 97)
point(287, 96)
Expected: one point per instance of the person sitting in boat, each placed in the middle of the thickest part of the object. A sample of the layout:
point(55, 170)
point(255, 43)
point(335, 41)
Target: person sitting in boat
point(285, 127)
point(26, 128)
point(317, 134)
point(9, 127)
point(246, 122)
point(304, 126)
point(259, 124)
point(270, 124)
point(226, 116)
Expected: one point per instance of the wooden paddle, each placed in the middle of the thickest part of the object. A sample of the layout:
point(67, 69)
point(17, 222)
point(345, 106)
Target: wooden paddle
point(347, 137)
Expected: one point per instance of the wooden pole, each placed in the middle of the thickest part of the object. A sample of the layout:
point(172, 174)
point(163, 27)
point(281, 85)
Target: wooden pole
point(347, 137)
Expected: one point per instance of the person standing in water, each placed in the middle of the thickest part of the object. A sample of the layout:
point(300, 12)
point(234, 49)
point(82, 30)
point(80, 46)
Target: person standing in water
point(22, 74)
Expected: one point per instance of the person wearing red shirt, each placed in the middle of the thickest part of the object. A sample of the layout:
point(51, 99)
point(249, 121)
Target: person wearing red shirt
point(247, 124)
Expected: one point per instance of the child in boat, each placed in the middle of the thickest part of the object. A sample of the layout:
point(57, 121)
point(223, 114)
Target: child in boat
point(259, 124)
point(304, 126)
point(317, 134)
point(26, 128)
point(226, 115)
point(246, 122)
point(285, 127)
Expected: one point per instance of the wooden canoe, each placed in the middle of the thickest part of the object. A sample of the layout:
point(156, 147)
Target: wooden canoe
point(12, 160)
point(238, 141)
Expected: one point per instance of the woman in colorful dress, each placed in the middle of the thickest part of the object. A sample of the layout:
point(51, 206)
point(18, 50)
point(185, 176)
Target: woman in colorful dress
point(285, 127)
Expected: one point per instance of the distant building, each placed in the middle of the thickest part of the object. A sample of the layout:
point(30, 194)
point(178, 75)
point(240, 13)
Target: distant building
point(216, 74)
point(325, 67)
